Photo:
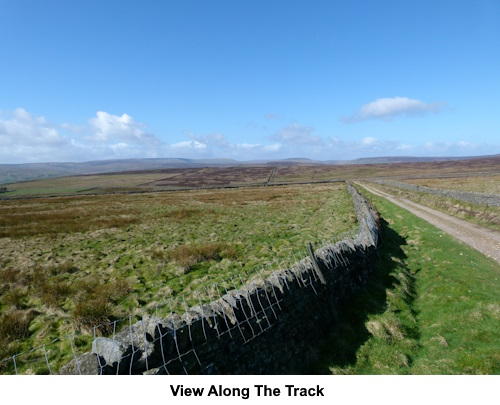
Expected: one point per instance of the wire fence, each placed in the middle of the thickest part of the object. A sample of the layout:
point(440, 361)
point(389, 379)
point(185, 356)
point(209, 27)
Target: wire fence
point(186, 335)
point(125, 344)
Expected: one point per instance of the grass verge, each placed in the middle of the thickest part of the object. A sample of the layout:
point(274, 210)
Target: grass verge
point(480, 214)
point(430, 308)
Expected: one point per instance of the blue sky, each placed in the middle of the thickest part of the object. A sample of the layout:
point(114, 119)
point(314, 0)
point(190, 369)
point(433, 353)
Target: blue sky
point(86, 80)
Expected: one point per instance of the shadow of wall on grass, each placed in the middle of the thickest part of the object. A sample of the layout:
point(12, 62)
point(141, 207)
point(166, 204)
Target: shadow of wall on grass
point(267, 326)
point(339, 349)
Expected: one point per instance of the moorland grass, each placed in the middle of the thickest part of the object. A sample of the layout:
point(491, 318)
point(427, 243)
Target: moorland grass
point(489, 184)
point(431, 307)
point(70, 263)
point(83, 184)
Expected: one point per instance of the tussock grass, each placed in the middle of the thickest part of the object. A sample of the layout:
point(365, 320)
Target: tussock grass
point(51, 217)
point(14, 325)
point(10, 275)
point(84, 268)
point(189, 255)
point(96, 303)
point(91, 311)
point(389, 329)
point(184, 213)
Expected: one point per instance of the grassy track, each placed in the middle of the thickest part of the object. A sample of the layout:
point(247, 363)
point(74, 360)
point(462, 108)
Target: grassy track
point(431, 308)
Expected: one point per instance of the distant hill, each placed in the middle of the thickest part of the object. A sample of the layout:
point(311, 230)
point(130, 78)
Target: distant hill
point(11, 173)
point(403, 159)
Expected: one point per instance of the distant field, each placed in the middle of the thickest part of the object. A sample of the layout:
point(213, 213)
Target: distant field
point(128, 182)
point(246, 175)
point(393, 170)
point(216, 177)
point(481, 184)
point(90, 184)
point(73, 262)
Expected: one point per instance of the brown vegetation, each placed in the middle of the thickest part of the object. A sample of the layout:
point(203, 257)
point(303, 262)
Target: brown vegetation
point(72, 261)
point(216, 177)
point(53, 216)
point(189, 255)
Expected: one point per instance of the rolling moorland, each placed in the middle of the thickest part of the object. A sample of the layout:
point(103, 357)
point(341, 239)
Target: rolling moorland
point(11, 173)
point(80, 250)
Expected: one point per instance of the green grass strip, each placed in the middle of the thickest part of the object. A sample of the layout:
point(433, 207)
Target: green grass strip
point(432, 307)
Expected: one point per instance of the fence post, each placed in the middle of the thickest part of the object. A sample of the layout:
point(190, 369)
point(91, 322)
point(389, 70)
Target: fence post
point(315, 265)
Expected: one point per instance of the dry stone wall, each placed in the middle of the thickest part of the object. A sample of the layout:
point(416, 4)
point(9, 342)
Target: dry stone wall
point(268, 326)
point(491, 200)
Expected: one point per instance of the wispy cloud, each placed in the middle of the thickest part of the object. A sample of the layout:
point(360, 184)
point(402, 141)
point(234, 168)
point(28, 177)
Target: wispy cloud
point(259, 148)
point(388, 108)
point(216, 140)
point(453, 148)
point(296, 134)
point(367, 146)
point(273, 116)
point(189, 145)
point(216, 145)
point(374, 147)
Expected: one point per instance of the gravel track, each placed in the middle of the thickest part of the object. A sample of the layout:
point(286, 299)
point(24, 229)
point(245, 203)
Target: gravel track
point(484, 240)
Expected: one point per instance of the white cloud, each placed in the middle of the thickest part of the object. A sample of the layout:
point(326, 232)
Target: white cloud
point(106, 127)
point(388, 108)
point(257, 147)
point(119, 147)
point(296, 134)
point(216, 145)
point(75, 129)
point(369, 141)
point(216, 140)
point(26, 138)
point(248, 145)
point(365, 147)
point(276, 147)
point(373, 147)
point(188, 145)
point(22, 128)
point(404, 147)
point(453, 148)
